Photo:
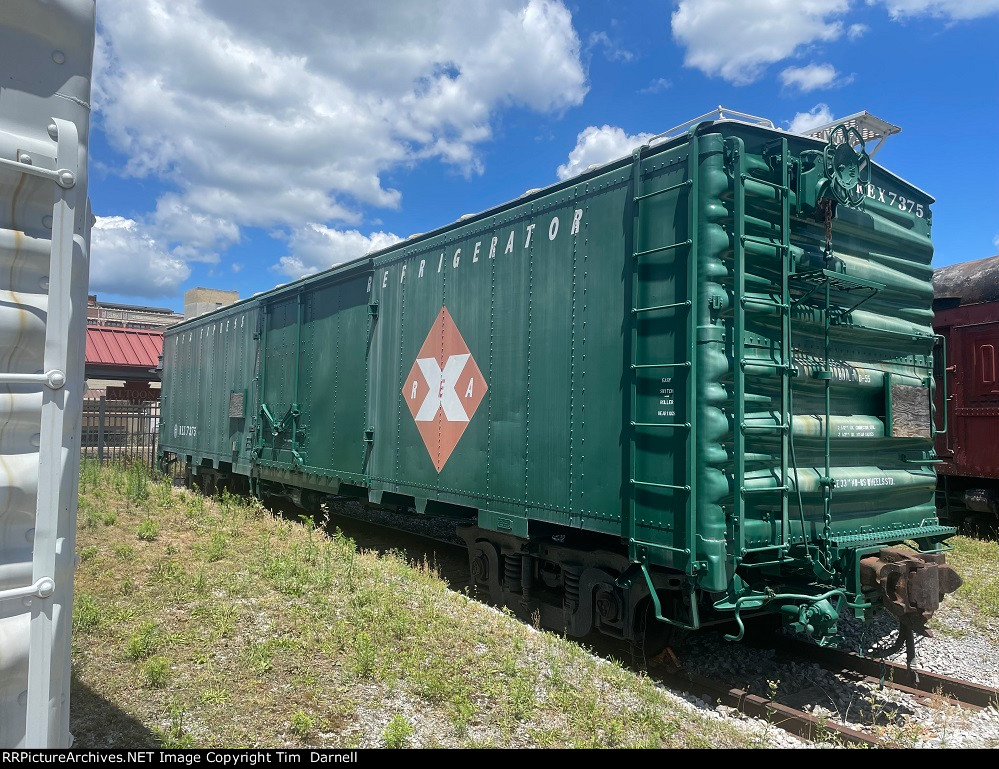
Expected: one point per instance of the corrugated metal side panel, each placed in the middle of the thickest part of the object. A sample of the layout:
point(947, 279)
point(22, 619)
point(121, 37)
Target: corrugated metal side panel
point(46, 54)
point(204, 364)
point(882, 474)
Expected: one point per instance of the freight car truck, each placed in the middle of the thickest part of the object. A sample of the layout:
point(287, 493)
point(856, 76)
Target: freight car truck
point(691, 384)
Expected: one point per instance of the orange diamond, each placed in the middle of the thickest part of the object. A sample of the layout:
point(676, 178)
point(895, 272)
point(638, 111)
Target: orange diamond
point(443, 389)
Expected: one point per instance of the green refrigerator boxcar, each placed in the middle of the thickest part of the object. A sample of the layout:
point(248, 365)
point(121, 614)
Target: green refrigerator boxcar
point(694, 382)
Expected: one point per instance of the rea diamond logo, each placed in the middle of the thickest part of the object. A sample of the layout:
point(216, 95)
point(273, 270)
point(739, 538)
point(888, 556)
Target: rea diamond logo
point(443, 389)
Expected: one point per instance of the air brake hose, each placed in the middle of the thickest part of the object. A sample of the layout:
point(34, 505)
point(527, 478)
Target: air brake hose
point(907, 639)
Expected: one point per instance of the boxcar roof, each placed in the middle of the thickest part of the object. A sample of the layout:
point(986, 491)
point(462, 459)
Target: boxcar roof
point(970, 282)
point(345, 268)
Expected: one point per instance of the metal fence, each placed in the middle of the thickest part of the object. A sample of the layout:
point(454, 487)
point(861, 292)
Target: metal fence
point(114, 431)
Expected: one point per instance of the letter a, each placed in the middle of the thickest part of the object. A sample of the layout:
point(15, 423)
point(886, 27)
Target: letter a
point(468, 390)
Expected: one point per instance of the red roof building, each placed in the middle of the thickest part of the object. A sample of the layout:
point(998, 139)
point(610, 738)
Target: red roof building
point(122, 353)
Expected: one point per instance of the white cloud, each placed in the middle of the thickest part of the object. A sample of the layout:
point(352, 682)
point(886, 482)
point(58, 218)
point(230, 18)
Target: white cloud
point(316, 247)
point(126, 259)
point(957, 10)
point(612, 50)
point(995, 241)
point(658, 85)
point(595, 146)
point(195, 235)
point(737, 40)
point(811, 77)
point(803, 122)
point(280, 116)
point(857, 31)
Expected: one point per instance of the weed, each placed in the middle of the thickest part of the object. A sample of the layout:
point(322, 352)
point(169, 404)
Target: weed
point(156, 671)
point(195, 505)
point(462, 713)
point(521, 697)
point(216, 547)
point(137, 483)
point(149, 530)
point(219, 619)
point(175, 736)
point(87, 553)
point(166, 571)
point(365, 655)
point(260, 656)
point(301, 723)
point(398, 733)
point(124, 552)
point(90, 474)
point(163, 493)
point(86, 516)
point(902, 734)
point(215, 695)
point(143, 643)
point(826, 736)
point(86, 613)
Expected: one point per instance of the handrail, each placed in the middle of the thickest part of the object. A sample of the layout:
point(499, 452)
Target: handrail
point(943, 379)
point(719, 113)
point(43, 588)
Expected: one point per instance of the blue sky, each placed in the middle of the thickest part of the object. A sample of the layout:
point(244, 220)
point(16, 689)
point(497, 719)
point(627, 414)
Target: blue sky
point(237, 146)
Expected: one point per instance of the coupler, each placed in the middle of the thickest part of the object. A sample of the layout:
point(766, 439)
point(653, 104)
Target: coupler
point(911, 585)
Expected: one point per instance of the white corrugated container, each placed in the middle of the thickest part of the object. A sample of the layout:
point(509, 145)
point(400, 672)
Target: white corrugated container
point(46, 59)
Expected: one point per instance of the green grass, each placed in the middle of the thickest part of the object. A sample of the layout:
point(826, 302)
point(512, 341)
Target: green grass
point(301, 723)
point(977, 561)
point(233, 626)
point(156, 672)
point(148, 530)
point(398, 733)
point(143, 642)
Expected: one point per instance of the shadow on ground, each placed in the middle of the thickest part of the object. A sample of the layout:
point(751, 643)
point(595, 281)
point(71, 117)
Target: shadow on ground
point(95, 722)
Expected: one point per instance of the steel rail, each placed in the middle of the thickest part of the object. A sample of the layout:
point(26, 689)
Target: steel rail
point(785, 717)
point(919, 683)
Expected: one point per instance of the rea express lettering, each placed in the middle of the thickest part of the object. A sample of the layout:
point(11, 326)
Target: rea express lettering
point(881, 195)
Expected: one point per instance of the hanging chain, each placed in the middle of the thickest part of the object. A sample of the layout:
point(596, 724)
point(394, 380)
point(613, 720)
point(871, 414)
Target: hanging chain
point(827, 209)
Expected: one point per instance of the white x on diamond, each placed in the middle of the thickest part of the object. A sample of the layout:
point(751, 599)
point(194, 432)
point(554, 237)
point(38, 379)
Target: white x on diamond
point(442, 394)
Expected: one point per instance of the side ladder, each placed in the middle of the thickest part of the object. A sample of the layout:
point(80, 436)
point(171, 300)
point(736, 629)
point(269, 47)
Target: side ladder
point(684, 311)
point(780, 301)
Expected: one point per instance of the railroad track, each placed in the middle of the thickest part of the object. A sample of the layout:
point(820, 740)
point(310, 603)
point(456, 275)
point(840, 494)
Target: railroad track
point(793, 720)
point(923, 686)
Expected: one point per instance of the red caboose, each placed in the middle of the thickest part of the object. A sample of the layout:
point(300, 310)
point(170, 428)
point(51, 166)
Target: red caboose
point(966, 313)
